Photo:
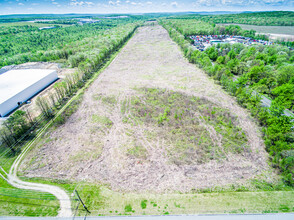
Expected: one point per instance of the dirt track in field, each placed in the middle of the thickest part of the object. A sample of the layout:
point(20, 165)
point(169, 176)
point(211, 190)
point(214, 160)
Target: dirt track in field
point(83, 149)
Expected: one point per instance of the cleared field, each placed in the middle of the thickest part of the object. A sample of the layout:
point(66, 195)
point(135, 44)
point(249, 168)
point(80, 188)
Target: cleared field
point(288, 30)
point(151, 127)
point(275, 32)
point(153, 122)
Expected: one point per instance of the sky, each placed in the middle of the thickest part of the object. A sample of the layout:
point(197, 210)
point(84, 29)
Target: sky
point(138, 6)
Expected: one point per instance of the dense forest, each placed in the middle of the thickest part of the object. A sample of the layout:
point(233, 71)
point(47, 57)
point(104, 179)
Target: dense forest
point(277, 18)
point(189, 27)
point(247, 72)
point(31, 17)
point(27, 43)
point(60, 17)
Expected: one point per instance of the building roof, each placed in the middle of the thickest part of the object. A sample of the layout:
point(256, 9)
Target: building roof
point(44, 28)
point(14, 81)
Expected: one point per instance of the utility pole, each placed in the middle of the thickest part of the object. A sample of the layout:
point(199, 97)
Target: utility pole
point(85, 207)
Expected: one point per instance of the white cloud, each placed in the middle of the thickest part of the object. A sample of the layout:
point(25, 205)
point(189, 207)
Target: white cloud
point(74, 3)
point(133, 3)
point(215, 3)
point(148, 3)
point(20, 3)
point(174, 4)
point(117, 3)
point(90, 4)
point(273, 1)
point(128, 2)
point(81, 3)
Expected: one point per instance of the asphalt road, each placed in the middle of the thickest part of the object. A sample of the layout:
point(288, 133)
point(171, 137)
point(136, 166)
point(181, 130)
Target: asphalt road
point(280, 216)
point(265, 102)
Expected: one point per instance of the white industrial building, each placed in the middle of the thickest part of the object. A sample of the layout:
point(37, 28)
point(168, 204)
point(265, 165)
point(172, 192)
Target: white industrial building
point(18, 86)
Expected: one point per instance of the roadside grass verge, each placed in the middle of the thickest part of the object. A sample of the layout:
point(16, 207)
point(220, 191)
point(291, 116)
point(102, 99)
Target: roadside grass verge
point(102, 201)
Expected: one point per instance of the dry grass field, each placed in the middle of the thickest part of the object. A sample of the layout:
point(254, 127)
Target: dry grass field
point(273, 32)
point(153, 122)
point(286, 30)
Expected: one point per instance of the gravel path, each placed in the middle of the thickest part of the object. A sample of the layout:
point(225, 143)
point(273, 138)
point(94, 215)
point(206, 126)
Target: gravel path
point(60, 194)
point(65, 205)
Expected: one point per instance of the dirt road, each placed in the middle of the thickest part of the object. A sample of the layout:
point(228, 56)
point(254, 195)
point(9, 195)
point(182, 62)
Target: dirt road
point(65, 205)
point(60, 194)
point(105, 142)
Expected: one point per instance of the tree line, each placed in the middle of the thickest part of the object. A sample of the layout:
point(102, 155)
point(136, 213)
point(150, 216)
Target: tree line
point(29, 44)
point(274, 18)
point(188, 27)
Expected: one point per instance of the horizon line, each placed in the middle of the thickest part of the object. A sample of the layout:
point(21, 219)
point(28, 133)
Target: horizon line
point(135, 13)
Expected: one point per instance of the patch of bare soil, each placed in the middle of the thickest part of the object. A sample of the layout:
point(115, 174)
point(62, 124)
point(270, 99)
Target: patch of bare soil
point(107, 141)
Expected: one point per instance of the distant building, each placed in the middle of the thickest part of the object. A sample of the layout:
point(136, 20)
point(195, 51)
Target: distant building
point(115, 17)
point(215, 41)
point(87, 21)
point(202, 42)
point(18, 86)
point(45, 28)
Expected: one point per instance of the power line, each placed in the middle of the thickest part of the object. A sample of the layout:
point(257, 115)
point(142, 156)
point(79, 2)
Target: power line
point(32, 204)
point(81, 201)
point(22, 197)
point(27, 193)
point(5, 152)
point(23, 137)
point(3, 177)
point(25, 134)
point(3, 170)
